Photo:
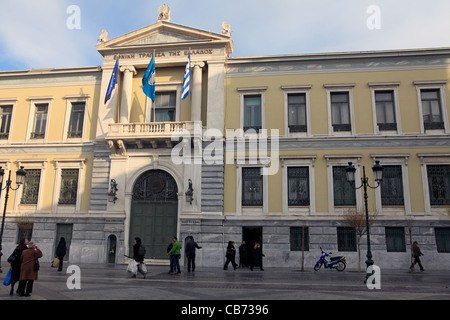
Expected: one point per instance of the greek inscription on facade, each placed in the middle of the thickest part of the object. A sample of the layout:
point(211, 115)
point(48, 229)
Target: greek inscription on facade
point(173, 53)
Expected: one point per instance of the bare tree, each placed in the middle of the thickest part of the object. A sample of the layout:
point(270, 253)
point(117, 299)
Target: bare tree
point(357, 220)
point(25, 224)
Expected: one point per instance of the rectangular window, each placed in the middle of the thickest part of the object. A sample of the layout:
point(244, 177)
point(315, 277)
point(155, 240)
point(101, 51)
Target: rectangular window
point(252, 187)
point(344, 193)
point(30, 192)
point(439, 184)
point(297, 112)
point(5, 121)
point(299, 238)
point(392, 186)
point(340, 111)
point(69, 186)
point(431, 109)
point(395, 239)
point(442, 239)
point(252, 112)
point(40, 121)
point(385, 109)
point(76, 120)
point(346, 239)
point(298, 186)
point(165, 106)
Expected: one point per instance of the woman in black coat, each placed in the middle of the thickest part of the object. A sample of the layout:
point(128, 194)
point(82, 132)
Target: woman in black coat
point(61, 250)
point(138, 256)
point(231, 256)
point(257, 257)
point(15, 265)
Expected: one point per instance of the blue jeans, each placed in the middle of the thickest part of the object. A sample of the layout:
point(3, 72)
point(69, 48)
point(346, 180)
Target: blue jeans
point(175, 262)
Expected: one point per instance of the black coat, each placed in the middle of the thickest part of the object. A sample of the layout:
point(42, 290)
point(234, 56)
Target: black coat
point(16, 264)
point(231, 251)
point(136, 256)
point(257, 257)
point(191, 245)
point(61, 249)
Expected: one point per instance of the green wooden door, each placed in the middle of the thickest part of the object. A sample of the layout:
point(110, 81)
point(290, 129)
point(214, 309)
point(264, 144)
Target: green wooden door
point(155, 224)
point(154, 213)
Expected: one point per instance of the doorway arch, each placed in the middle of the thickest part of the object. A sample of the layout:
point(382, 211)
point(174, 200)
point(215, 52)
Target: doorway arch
point(154, 212)
point(112, 249)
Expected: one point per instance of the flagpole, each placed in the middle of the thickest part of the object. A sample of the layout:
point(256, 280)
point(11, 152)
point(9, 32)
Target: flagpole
point(153, 102)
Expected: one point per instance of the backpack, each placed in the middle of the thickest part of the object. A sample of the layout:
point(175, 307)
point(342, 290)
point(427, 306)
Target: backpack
point(141, 250)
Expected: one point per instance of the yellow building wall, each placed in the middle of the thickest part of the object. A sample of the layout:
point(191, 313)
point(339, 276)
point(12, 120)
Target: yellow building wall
point(363, 113)
point(362, 101)
point(55, 133)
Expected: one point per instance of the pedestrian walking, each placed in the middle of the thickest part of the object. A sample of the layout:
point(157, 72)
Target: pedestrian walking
point(16, 263)
point(243, 255)
point(174, 256)
point(189, 250)
point(61, 250)
point(29, 269)
point(138, 256)
point(231, 256)
point(257, 257)
point(416, 253)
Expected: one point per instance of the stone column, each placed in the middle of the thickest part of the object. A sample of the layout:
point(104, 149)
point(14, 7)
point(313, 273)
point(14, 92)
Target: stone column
point(125, 105)
point(216, 90)
point(196, 89)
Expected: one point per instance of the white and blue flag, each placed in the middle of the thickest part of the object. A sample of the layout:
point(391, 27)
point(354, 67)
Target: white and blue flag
point(148, 81)
point(187, 76)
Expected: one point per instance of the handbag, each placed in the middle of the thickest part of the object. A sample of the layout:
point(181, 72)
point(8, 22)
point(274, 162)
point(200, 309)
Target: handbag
point(12, 257)
point(55, 263)
point(36, 263)
point(7, 280)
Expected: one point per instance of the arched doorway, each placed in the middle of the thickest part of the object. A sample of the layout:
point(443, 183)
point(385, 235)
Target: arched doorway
point(154, 212)
point(112, 246)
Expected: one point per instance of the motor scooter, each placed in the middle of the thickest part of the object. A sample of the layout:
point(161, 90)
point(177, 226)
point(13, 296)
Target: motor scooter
point(337, 263)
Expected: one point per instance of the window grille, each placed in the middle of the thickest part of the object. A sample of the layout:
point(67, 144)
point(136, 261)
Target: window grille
point(69, 186)
point(442, 235)
point(252, 187)
point(346, 237)
point(297, 234)
point(439, 184)
point(395, 239)
point(392, 186)
point(344, 193)
point(31, 187)
point(298, 186)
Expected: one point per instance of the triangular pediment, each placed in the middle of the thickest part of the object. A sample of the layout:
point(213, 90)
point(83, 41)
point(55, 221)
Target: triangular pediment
point(164, 33)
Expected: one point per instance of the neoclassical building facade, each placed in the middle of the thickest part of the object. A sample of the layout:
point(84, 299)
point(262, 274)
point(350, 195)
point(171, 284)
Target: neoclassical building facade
point(256, 152)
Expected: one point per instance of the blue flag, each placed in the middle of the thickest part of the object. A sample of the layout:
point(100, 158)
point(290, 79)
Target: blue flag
point(187, 75)
point(148, 81)
point(112, 82)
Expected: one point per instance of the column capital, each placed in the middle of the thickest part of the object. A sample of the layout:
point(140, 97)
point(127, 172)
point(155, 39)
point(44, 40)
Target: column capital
point(128, 68)
point(198, 64)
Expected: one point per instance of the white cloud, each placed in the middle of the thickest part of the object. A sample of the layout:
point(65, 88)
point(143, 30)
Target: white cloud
point(33, 34)
point(36, 34)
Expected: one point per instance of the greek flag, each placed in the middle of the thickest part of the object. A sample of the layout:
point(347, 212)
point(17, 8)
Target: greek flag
point(148, 81)
point(187, 75)
point(112, 82)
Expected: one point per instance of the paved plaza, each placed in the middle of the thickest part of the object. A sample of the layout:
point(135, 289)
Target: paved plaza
point(112, 282)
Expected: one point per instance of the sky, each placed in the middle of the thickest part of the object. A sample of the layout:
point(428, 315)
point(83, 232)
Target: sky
point(64, 33)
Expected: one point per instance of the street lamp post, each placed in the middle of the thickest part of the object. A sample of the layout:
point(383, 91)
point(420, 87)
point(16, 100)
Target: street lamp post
point(378, 177)
point(20, 177)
